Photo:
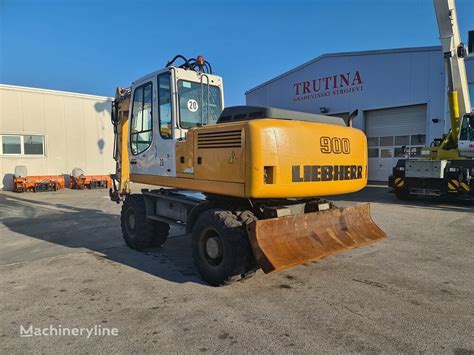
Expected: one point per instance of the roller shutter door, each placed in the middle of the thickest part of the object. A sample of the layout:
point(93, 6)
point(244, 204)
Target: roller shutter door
point(397, 121)
point(392, 134)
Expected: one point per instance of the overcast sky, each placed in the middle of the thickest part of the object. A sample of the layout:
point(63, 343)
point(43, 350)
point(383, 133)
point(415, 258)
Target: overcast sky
point(91, 46)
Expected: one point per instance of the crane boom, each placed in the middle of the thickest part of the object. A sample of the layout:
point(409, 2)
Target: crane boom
point(454, 52)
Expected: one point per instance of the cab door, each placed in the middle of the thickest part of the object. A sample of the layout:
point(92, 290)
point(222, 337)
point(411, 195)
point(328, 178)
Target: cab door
point(142, 151)
point(166, 122)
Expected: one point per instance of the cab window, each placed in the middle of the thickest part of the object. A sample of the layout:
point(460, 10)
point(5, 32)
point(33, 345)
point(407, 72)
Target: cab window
point(196, 107)
point(164, 102)
point(467, 128)
point(141, 124)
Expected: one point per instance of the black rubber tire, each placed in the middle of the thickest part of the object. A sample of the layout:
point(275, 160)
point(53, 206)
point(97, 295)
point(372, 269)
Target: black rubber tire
point(404, 195)
point(235, 258)
point(161, 230)
point(143, 234)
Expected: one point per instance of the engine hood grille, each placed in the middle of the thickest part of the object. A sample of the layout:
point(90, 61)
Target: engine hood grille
point(220, 139)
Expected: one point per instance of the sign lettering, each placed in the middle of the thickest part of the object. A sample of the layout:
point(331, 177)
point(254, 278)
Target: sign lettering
point(333, 85)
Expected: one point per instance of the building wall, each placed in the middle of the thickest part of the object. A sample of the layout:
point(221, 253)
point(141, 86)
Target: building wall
point(76, 127)
point(388, 78)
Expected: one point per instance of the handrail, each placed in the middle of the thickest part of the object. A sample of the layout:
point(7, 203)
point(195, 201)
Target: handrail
point(202, 99)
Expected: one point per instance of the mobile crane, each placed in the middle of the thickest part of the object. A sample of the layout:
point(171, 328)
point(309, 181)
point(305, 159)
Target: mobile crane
point(447, 166)
point(247, 182)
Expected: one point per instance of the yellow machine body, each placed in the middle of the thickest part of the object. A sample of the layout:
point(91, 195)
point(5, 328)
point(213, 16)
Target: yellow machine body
point(269, 158)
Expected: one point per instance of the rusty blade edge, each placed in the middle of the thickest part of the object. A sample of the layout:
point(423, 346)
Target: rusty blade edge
point(374, 234)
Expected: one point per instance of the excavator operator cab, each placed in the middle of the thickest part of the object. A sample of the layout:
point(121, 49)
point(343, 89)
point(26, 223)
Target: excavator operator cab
point(164, 105)
point(466, 135)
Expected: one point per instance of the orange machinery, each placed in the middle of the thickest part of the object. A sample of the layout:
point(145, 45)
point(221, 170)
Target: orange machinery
point(22, 182)
point(91, 182)
point(38, 183)
point(80, 181)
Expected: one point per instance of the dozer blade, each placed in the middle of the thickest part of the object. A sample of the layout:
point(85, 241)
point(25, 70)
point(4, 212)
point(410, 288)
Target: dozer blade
point(280, 243)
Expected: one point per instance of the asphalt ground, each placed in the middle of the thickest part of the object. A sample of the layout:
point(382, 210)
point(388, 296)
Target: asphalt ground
point(63, 263)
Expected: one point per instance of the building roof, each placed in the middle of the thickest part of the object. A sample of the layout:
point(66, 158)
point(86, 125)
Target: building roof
point(346, 54)
point(54, 92)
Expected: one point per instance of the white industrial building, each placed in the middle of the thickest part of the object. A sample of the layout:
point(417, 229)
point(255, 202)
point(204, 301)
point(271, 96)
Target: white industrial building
point(400, 95)
point(52, 132)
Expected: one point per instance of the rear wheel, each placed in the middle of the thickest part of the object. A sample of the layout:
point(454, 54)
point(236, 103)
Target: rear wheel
point(139, 233)
point(220, 247)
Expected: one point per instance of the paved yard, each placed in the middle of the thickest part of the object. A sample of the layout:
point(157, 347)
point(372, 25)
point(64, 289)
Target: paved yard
point(63, 263)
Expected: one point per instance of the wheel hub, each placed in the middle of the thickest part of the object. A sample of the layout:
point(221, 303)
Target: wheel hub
point(131, 221)
point(212, 248)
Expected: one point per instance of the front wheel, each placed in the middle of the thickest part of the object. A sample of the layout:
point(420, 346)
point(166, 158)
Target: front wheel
point(220, 247)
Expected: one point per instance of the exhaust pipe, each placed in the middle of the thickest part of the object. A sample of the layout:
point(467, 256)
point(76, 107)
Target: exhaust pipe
point(351, 117)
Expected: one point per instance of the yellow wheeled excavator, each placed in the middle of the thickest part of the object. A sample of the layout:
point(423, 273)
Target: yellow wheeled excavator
point(247, 182)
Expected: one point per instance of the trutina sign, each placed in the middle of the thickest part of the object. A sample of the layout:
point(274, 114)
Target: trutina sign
point(333, 85)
